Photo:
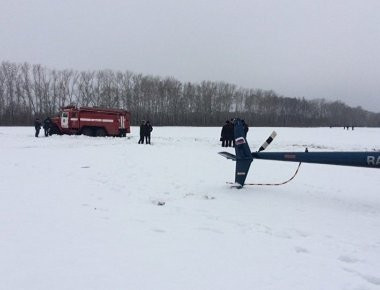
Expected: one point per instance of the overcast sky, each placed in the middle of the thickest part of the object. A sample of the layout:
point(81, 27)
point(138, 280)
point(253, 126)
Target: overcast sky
point(299, 48)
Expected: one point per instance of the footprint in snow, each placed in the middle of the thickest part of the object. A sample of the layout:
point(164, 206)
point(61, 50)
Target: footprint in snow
point(301, 250)
point(100, 209)
point(205, 196)
point(210, 230)
point(158, 202)
point(375, 280)
point(159, 231)
point(348, 259)
point(302, 234)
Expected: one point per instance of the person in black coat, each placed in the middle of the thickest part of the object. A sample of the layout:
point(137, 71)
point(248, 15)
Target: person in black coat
point(46, 126)
point(230, 135)
point(148, 130)
point(37, 126)
point(245, 128)
point(142, 132)
point(224, 134)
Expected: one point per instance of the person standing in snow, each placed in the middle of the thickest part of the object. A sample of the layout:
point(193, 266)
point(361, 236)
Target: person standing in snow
point(46, 126)
point(231, 134)
point(245, 128)
point(224, 135)
point(37, 126)
point(148, 130)
point(142, 132)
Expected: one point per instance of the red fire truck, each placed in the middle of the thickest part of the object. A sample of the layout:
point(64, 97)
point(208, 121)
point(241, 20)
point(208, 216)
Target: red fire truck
point(91, 122)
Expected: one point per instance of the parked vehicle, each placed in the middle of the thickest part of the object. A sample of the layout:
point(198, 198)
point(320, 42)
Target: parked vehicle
point(91, 122)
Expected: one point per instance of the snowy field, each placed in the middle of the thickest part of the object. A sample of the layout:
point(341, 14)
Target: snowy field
point(82, 213)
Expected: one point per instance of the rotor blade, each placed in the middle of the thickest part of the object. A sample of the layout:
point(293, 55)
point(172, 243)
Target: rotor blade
point(268, 141)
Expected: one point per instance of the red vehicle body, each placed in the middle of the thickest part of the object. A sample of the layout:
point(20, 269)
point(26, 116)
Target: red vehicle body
point(91, 122)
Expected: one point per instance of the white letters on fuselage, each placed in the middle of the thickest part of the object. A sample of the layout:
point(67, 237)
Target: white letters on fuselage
point(371, 160)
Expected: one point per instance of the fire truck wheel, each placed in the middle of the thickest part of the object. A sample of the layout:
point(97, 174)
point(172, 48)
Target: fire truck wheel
point(87, 131)
point(54, 130)
point(100, 132)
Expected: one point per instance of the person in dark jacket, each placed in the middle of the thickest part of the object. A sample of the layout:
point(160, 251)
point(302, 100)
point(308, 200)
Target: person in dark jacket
point(230, 134)
point(224, 134)
point(37, 126)
point(148, 130)
point(46, 126)
point(245, 128)
point(142, 132)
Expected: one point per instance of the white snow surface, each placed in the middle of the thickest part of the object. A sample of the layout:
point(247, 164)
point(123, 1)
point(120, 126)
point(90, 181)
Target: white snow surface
point(83, 213)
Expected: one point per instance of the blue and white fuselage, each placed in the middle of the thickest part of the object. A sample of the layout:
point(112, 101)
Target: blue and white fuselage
point(244, 157)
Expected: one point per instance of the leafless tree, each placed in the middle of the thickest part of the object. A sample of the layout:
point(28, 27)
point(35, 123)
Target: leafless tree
point(27, 91)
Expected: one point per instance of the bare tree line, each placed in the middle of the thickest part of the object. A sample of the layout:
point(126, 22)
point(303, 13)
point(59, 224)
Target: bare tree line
point(29, 91)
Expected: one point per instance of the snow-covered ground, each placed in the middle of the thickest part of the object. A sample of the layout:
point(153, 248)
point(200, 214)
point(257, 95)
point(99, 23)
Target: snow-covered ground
point(82, 213)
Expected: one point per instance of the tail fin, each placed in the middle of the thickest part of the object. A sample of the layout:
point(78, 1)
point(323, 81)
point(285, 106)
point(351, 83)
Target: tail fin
point(243, 153)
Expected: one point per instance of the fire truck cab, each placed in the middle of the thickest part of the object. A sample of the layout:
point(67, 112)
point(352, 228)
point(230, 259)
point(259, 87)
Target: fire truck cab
point(91, 122)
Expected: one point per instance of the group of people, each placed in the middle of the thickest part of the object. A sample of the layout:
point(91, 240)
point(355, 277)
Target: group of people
point(46, 125)
point(145, 131)
point(227, 134)
point(348, 127)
